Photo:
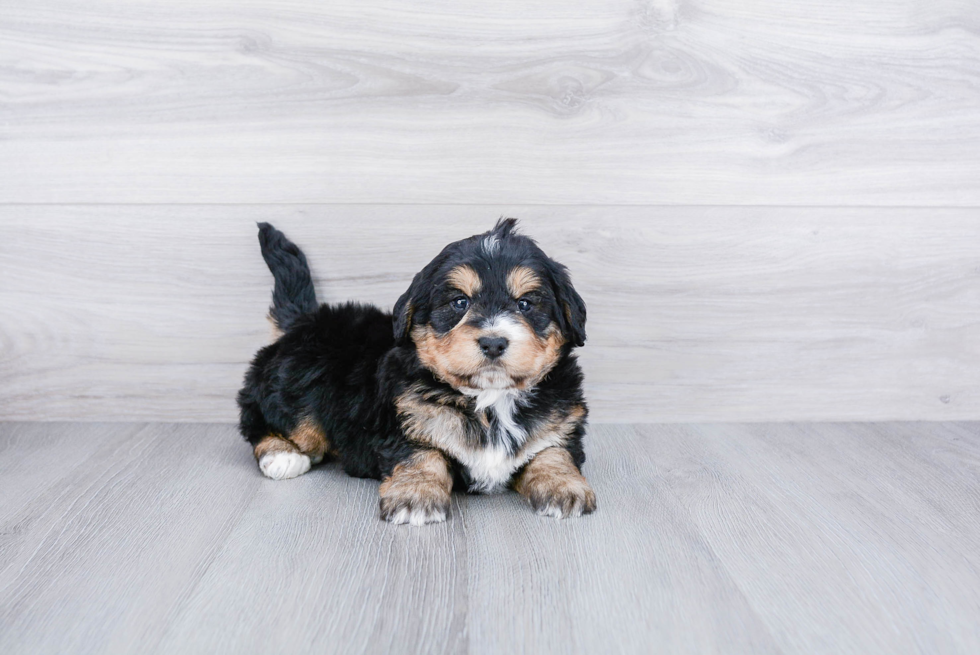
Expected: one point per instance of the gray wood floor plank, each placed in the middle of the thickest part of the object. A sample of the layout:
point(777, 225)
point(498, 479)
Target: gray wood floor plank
point(635, 577)
point(111, 552)
point(843, 538)
point(581, 102)
point(311, 568)
point(37, 456)
point(783, 538)
point(695, 313)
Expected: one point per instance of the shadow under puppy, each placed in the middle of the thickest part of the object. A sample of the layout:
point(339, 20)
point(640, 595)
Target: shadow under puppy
point(469, 383)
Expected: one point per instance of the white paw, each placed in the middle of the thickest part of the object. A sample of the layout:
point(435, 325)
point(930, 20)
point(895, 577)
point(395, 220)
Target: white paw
point(556, 512)
point(283, 465)
point(551, 510)
point(567, 501)
point(417, 517)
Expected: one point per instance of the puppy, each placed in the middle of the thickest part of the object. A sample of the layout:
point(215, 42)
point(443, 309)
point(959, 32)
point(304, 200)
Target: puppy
point(469, 383)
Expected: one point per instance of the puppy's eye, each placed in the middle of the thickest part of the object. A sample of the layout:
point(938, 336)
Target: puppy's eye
point(524, 305)
point(460, 304)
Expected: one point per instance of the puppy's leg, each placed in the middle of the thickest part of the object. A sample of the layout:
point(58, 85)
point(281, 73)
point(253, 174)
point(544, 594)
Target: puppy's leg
point(554, 485)
point(418, 489)
point(311, 440)
point(280, 459)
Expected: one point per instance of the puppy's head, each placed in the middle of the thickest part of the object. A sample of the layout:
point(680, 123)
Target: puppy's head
point(491, 312)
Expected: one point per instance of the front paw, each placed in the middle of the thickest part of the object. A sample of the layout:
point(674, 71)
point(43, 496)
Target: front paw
point(416, 506)
point(417, 491)
point(554, 485)
point(570, 497)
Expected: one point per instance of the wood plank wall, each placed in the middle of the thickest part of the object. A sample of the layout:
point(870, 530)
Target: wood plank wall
point(771, 208)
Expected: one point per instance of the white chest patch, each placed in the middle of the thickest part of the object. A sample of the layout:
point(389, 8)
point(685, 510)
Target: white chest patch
point(502, 405)
point(492, 467)
point(508, 446)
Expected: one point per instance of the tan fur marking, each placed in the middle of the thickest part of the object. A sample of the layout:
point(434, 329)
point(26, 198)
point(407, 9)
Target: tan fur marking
point(530, 360)
point(274, 444)
point(310, 439)
point(429, 423)
point(420, 484)
point(564, 424)
point(454, 356)
point(443, 425)
point(554, 486)
point(465, 279)
point(275, 332)
point(409, 312)
point(423, 469)
point(522, 280)
point(553, 432)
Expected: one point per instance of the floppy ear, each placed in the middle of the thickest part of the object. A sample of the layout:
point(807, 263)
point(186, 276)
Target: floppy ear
point(571, 307)
point(404, 310)
point(416, 301)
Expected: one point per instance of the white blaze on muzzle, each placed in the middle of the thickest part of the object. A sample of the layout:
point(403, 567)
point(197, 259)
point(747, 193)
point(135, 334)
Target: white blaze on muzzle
point(505, 325)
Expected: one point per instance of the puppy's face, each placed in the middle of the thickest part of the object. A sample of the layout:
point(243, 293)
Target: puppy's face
point(491, 312)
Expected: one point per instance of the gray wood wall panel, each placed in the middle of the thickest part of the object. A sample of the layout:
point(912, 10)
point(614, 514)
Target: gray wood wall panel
point(614, 102)
point(123, 312)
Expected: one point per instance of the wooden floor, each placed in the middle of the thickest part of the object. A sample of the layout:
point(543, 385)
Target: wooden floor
point(790, 538)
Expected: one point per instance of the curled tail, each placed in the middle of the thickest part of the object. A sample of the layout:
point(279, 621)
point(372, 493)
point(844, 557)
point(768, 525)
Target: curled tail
point(293, 295)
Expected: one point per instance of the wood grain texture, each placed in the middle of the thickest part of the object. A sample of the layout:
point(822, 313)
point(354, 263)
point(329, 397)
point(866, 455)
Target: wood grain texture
point(638, 579)
point(698, 313)
point(36, 457)
point(856, 539)
point(869, 531)
point(617, 102)
point(99, 562)
point(311, 568)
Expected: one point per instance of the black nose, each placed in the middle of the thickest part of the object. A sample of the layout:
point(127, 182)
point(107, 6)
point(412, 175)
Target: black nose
point(493, 347)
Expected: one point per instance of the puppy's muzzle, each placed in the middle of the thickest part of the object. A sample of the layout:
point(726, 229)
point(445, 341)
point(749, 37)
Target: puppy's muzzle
point(493, 347)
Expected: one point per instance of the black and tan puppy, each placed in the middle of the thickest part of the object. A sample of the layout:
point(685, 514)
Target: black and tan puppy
point(470, 382)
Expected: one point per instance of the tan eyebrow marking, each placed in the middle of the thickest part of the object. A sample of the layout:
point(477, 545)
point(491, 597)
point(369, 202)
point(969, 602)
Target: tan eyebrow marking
point(465, 279)
point(522, 280)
